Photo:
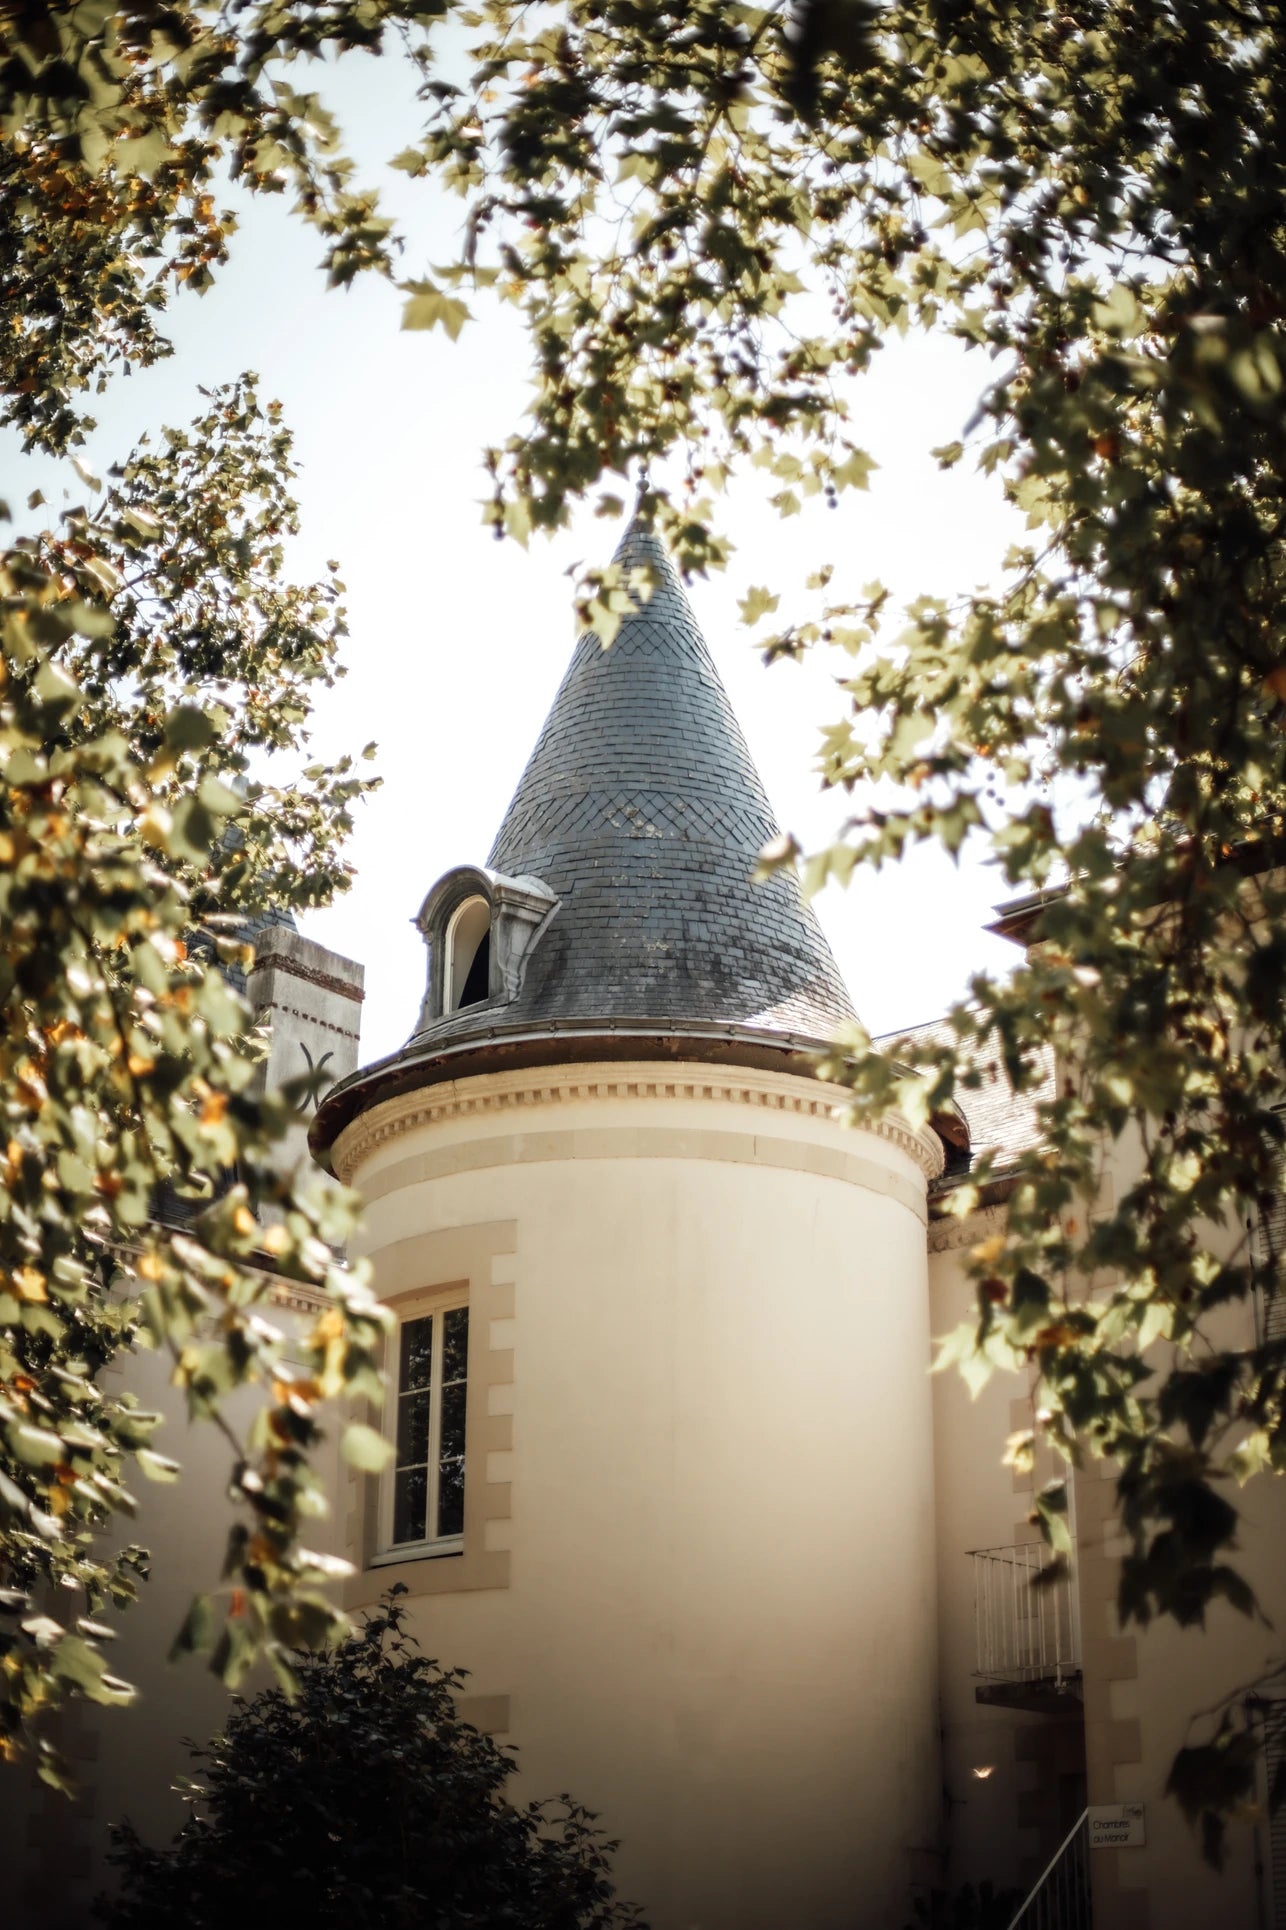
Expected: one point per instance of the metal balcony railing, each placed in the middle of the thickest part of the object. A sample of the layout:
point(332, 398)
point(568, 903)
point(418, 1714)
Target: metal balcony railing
point(1061, 1897)
point(1023, 1616)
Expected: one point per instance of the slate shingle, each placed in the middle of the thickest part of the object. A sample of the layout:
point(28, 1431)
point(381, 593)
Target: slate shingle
point(642, 809)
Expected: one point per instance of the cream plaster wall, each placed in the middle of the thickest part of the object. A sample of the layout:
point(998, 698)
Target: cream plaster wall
point(1142, 1688)
point(1179, 1674)
point(1145, 1688)
point(127, 1760)
point(1145, 1692)
point(1003, 1826)
point(718, 1623)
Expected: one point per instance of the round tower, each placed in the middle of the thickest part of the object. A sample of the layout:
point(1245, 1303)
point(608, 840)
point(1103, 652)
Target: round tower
point(658, 1393)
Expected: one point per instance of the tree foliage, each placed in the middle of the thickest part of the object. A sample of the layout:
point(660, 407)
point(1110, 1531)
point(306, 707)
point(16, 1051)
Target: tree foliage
point(120, 124)
point(154, 648)
point(712, 216)
point(366, 1800)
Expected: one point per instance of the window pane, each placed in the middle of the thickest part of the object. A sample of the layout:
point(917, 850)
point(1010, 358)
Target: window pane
point(477, 985)
point(455, 1344)
point(451, 1498)
point(410, 1501)
point(430, 1414)
point(417, 1354)
point(452, 1440)
point(413, 1428)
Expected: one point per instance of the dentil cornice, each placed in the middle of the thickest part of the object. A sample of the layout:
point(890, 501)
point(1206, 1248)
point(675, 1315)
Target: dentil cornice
point(493, 1093)
point(949, 1233)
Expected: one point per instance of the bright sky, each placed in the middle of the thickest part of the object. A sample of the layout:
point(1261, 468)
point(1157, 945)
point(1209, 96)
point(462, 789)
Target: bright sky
point(458, 642)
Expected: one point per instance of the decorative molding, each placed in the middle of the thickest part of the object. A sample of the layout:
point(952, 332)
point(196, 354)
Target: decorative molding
point(520, 909)
point(580, 1139)
point(298, 1298)
point(493, 1093)
point(309, 1018)
point(949, 1233)
point(266, 961)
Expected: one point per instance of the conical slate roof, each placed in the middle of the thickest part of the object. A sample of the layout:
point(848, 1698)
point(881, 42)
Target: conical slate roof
point(642, 810)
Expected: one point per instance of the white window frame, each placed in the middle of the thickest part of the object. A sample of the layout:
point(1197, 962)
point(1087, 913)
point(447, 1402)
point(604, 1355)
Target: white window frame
point(435, 1308)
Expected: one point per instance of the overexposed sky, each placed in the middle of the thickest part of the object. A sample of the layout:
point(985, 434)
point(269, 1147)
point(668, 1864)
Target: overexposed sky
point(458, 642)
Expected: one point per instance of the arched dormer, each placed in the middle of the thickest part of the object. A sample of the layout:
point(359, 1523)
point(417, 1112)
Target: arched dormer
point(479, 927)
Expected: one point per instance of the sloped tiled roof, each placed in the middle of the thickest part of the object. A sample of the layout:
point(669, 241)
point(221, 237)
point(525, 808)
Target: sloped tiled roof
point(1000, 1120)
point(641, 808)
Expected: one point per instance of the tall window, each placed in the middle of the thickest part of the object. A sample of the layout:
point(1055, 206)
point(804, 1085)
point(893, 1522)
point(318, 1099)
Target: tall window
point(432, 1382)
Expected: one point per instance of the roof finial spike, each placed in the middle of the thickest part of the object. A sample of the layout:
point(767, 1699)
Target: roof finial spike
point(642, 542)
point(646, 503)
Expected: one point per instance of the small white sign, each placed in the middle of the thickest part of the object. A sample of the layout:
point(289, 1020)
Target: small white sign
point(1116, 1826)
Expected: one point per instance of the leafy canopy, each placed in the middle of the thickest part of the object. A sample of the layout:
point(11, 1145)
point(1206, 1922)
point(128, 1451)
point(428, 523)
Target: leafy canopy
point(153, 652)
point(712, 216)
point(366, 1800)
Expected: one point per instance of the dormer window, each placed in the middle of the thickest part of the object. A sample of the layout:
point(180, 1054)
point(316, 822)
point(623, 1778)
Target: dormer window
point(479, 928)
point(468, 954)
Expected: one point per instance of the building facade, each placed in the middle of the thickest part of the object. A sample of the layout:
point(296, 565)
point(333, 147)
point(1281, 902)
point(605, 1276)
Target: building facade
point(670, 1475)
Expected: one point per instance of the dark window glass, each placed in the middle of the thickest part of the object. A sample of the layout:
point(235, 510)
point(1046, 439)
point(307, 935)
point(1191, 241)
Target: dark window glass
point(451, 1498)
point(455, 1344)
point(416, 1368)
point(410, 1503)
point(455, 1387)
point(477, 985)
point(413, 1429)
point(452, 1447)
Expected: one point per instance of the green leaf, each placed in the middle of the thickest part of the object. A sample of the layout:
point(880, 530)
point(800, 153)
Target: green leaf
point(44, 1631)
point(1051, 1512)
point(90, 619)
point(1157, 1324)
point(855, 472)
point(219, 798)
point(196, 1635)
point(157, 1467)
point(192, 829)
point(189, 728)
point(757, 603)
point(428, 307)
point(55, 688)
point(365, 1448)
point(146, 154)
point(1121, 313)
point(36, 1446)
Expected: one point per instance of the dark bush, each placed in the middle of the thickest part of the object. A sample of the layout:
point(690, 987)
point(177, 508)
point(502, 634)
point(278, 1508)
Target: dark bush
point(365, 1802)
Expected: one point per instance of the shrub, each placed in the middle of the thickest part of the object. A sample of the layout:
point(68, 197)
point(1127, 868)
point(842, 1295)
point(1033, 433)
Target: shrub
point(365, 1800)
